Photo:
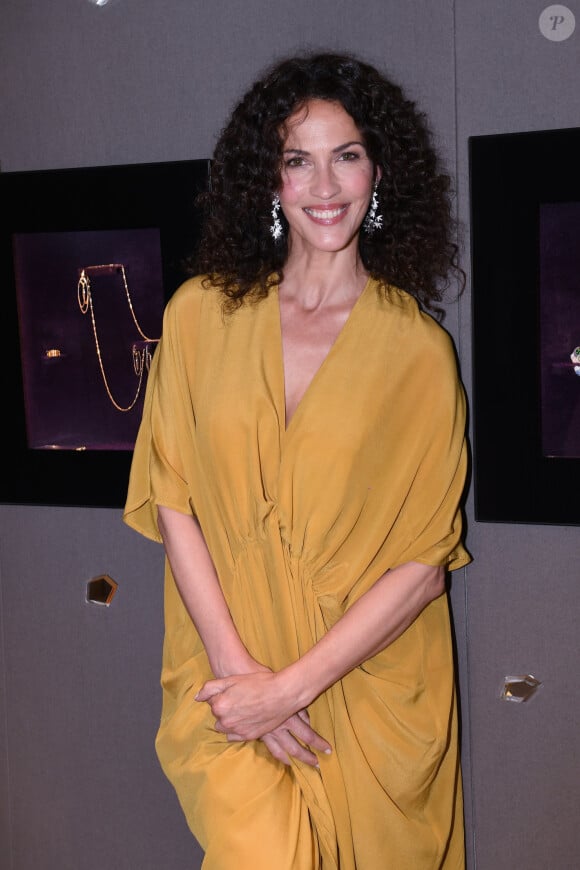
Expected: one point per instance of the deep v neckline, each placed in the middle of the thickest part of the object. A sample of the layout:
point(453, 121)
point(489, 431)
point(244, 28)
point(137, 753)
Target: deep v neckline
point(338, 340)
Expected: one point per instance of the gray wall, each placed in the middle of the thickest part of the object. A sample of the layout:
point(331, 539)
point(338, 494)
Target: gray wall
point(523, 599)
point(141, 81)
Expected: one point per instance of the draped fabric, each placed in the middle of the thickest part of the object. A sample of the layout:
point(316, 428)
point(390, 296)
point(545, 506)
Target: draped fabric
point(300, 521)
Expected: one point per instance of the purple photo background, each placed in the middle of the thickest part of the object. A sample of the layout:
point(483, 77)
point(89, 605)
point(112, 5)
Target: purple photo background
point(66, 402)
point(559, 328)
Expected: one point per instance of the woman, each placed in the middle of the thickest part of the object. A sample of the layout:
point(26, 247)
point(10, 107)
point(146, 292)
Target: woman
point(302, 459)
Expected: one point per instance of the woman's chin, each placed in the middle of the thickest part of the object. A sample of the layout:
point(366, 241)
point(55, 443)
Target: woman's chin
point(325, 240)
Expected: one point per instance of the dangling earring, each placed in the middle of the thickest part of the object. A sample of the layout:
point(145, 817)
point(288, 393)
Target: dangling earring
point(373, 221)
point(276, 229)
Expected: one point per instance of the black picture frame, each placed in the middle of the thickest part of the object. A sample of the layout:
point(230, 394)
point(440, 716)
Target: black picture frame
point(525, 469)
point(138, 202)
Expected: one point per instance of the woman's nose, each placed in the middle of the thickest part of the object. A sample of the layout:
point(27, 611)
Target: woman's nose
point(324, 183)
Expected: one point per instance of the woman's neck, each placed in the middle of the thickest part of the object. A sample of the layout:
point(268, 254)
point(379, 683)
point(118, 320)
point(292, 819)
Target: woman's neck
point(323, 278)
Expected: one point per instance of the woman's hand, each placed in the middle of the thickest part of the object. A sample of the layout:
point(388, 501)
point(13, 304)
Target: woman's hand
point(295, 738)
point(255, 707)
point(248, 705)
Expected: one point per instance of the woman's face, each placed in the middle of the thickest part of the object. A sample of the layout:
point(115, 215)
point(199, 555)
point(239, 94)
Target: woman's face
point(327, 177)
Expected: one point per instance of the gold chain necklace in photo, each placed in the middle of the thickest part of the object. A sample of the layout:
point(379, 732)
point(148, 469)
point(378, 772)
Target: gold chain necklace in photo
point(141, 356)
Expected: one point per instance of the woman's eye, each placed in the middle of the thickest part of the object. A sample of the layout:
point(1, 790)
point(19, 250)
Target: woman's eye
point(295, 161)
point(349, 155)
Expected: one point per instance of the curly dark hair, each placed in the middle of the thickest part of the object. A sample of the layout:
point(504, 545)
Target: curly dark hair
point(413, 250)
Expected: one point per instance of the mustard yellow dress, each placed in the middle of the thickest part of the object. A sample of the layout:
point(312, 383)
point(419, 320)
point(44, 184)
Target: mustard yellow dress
point(301, 521)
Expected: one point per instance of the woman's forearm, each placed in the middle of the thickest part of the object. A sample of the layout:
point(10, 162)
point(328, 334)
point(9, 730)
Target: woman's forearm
point(198, 584)
point(253, 704)
point(373, 622)
point(197, 581)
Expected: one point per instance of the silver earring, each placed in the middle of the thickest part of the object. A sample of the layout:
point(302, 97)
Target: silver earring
point(276, 229)
point(373, 221)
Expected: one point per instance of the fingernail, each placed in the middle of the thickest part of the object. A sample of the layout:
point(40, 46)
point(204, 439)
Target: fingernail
point(328, 751)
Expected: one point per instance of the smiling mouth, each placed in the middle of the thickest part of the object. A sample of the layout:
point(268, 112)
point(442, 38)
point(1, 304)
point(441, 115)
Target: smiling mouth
point(326, 214)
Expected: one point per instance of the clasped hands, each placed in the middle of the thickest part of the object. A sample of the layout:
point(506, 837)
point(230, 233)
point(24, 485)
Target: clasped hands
point(257, 706)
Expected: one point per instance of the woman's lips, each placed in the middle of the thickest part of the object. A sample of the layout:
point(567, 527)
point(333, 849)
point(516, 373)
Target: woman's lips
point(326, 216)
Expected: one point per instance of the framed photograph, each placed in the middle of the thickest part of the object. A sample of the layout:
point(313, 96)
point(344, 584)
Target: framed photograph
point(88, 259)
point(525, 239)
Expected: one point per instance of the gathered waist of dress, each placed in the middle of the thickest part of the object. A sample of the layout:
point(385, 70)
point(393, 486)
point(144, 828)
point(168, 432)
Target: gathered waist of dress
point(263, 529)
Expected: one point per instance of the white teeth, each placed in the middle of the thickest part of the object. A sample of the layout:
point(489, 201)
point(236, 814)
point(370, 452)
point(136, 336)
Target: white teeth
point(325, 214)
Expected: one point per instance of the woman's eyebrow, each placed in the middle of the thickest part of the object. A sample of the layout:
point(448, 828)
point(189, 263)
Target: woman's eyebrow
point(348, 145)
point(334, 150)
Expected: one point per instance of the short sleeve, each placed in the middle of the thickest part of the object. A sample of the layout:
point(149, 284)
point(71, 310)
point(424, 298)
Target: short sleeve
point(433, 505)
point(163, 467)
